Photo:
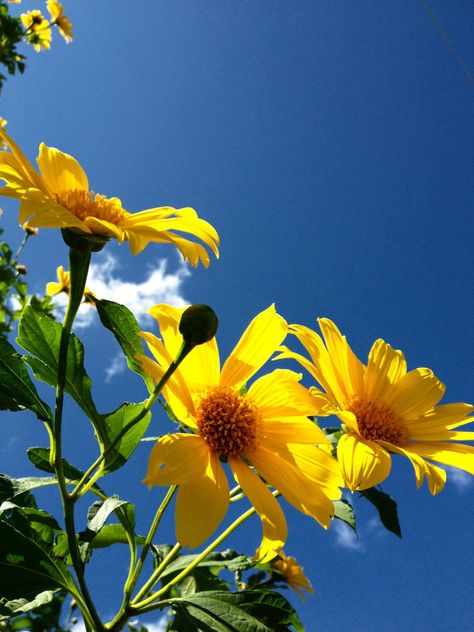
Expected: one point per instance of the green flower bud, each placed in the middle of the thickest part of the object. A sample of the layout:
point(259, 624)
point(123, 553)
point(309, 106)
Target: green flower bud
point(198, 324)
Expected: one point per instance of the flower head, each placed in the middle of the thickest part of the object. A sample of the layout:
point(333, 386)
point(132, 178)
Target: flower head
point(64, 285)
point(59, 197)
point(264, 430)
point(37, 28)
point(384, 410)
point(293, 574)
point(62, 22)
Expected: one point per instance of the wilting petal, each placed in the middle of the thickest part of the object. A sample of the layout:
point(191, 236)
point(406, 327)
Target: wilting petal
point(60, 171)
point(177, 459)
point(385, 367)
point(274, 526)
point(201, 505)
point(259, 341)
point(364, 464)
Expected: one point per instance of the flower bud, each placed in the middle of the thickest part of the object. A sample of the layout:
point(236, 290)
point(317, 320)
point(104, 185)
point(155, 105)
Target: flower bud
point(198, 324)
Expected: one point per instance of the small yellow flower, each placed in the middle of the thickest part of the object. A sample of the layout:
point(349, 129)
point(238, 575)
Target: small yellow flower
point(3, 123)
point(59, 197)
point(384, 410)
point(64, 285)
point(293, 574)
point(264, 430)
point(14, 1)
point(62, 22)
point(37, 28)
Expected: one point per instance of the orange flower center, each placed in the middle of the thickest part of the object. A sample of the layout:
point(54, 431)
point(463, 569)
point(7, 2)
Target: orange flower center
point(228, 421)
point(378, 422)
point(84, 204)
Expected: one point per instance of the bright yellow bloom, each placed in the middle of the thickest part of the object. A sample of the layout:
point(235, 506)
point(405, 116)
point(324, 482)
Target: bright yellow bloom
point(62, 22)
point(59, 197)
point(3, 123)
point(293, 574)
point(64, 285)
point(384, 410)
point(37, 29)
point(266, 427)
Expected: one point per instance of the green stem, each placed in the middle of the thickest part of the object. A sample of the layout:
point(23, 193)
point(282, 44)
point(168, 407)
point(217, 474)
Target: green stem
point(86, 481)
point(149, 539)
point(79, 261)
point(157, 572)
point(137, 605)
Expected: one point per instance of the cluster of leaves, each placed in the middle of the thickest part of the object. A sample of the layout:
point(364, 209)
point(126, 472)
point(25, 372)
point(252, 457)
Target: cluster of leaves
point(11, 34)
point(14, 295)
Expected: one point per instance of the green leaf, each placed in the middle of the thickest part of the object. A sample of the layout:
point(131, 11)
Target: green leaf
point(40, 458)
point(123, 324)
point(40, 335)
point(387, 508)
point(112, 425)
point(17, 606)
point(13, 487)
point(113, 534)
point(344, 512)
point(246, 611)
point(17, 391)
point(231, 560)
point(26, 568)
point(98, 514)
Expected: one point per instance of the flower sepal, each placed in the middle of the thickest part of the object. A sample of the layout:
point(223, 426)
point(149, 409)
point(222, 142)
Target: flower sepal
point(79, 240)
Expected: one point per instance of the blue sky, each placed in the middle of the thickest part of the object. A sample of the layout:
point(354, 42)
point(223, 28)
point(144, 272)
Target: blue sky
point(330, 144)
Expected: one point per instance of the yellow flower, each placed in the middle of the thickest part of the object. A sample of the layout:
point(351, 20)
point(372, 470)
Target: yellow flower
point(59, 197)
point(37, 29)
point(62, 22)
point(265, 428)
point(3, 123)
point(293, 574)
point(384, 410)
point(64, 285)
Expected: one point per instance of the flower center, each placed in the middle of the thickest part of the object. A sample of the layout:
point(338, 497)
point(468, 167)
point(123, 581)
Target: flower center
point(378, 422)
point(228, 421)
point(84, 204)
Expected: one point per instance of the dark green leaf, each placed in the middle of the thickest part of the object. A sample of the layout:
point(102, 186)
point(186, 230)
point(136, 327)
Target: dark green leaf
point(123, 324)
point(40, 335)
point(97, 516)
point(387, 508)
point(40, 458)
point(231, 560)
point(17, 391)
point(246, 611)
point(113, 534)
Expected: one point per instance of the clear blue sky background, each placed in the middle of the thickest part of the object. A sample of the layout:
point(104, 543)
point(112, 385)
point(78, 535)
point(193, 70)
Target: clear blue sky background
point(331, 144)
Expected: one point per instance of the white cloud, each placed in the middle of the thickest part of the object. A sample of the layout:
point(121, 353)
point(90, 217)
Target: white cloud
point(461, 480)
point(159, 286)
point(345, 536)
point(117, 365)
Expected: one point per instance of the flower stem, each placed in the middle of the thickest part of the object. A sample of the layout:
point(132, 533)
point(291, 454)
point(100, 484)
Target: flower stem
point(79, 260)
point(138, 605)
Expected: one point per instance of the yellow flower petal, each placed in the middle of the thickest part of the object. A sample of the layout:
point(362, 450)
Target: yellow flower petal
point(60, 171)
point(364, 464)
point(261, 338)
point(296, 487)
point(274, 526)
point(435, 475)
point(201, 506)
point(177, 459)
point(415, 393)
point(293, 430)
point(385, 367)
point(453, 454)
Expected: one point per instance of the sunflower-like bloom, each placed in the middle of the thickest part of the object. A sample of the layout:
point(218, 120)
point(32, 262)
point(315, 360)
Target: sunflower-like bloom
point(265, 428)
point(293, 574)
point(37, 28)
point(62, 22)
point(64, 285)
point(384, 409)
point(59, 197)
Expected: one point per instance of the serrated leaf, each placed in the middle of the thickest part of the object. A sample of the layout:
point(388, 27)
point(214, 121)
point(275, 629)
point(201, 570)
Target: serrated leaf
point(387, 508)
point(123, 324)
point(40, 335)
point(343, 511)
point(246, 611)
point(17, 391)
